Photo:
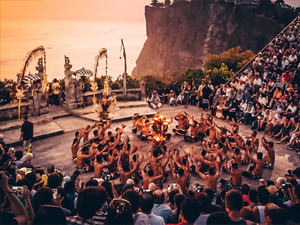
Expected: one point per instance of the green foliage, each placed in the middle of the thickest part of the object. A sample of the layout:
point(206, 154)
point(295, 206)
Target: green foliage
point(130, 83)
point(153, 83)
point(191, 75)
point(7, 88)
point(234, 58)
point(219, 75)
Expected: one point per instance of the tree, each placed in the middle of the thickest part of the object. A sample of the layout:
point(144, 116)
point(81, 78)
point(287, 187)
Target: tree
point(219, 75)
point(234, 58)
point(153, 83)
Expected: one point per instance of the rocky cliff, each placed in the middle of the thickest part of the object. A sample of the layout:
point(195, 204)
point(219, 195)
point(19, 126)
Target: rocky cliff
point(180, 36)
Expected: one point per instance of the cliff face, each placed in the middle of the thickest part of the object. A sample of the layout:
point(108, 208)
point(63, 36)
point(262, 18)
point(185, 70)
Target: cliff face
point(182, 35)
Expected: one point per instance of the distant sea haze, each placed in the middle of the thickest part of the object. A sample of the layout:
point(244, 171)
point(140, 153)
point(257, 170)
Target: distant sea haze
point(79, 40)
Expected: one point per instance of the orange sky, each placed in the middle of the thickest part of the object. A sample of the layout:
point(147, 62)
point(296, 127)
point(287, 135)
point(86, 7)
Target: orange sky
point(73, 9)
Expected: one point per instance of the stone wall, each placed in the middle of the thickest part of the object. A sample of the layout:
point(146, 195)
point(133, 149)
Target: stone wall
point(131, 95)
point(10, 111)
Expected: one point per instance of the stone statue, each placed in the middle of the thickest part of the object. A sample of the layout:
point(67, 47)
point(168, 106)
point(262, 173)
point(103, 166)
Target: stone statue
point(40, 67)
point(105, 87)
point(68, 67)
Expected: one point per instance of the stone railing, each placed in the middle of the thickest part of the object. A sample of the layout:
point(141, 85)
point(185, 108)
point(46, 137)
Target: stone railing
point(10, 111)
point(131, 95)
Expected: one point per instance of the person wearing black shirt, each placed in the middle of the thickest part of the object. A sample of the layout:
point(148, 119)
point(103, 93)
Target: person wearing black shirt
point(206, 91)
point(26, 132)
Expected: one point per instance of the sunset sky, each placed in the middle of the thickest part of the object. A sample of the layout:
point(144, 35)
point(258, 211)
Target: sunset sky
point(73, 9)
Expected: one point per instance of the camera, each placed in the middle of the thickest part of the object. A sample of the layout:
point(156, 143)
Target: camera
point(54, 193)
point(289, 173)
point(17, 190)
point(286, 186)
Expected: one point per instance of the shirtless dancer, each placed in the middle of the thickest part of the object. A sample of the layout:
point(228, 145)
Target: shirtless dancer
point(82, 160)
point(140, 124)
point(254, 140)
point(135, 119)
point(193, 137)
point(212, 177)
point(75, 145)
point(125, 172)
point(183, 175)
point(146, 134)
point(270, 156)
point(183, 123)
point(102, 128)
point(234, 125)
point(86, 131)
point(236, 176)
point(99, 165)
point(202, 128)
point(255, 172)
point(149, 176)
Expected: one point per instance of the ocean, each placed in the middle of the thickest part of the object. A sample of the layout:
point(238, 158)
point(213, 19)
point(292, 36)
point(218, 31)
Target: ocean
point(79, 40)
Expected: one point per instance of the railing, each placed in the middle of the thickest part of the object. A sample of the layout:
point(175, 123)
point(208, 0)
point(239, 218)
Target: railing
point(294, 20)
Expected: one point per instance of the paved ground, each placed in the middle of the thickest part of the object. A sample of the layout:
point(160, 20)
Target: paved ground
point(57, 149)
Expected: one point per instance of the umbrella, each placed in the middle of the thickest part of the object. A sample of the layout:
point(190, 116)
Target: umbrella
point(83, 72)
point(29, 79)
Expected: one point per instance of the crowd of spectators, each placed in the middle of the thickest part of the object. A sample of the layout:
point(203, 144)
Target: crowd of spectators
point(265, 95)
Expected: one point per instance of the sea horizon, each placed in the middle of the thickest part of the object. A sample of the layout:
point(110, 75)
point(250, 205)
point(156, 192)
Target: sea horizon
point(80, 40)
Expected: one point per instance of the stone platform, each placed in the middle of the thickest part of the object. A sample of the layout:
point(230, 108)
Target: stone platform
point(125, 112)
point(57, 149)
point(59, 121)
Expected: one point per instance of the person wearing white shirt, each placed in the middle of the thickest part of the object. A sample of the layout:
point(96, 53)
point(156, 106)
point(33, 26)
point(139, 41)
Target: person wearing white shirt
point(243, 77)
point(284, 62)
point(257, 81)
point(290, 37)
point(262, 100)
point(292, 107)
point(248, 113)
point(228, 91)
point(173, 100)
point(274, 60)
point(242, 108)
point(292, 57)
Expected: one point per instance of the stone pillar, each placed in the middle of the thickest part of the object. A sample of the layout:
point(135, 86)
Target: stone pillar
point(143, 90)
point(73, 88)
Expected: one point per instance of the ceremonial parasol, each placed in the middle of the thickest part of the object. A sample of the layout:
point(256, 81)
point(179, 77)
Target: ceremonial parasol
point(29, 79)
point(83, 72)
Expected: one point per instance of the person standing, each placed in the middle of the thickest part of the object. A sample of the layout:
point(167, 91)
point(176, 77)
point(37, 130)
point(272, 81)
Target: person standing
point(186, 90)
point(55, 92)
point(26, 132)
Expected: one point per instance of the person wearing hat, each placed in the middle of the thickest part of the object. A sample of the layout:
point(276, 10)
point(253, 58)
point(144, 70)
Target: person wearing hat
point(154, 101)
point(272, 189)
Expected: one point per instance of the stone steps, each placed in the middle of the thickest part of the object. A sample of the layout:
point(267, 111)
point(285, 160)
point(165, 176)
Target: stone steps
point(41, 131)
